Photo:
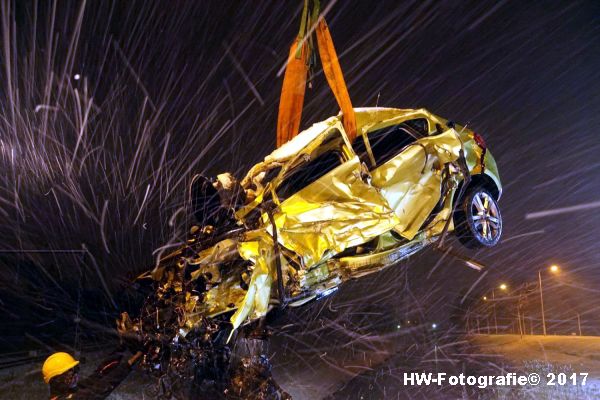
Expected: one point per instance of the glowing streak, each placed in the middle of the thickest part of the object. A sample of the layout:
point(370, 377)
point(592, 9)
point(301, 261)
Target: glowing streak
point(563, 210)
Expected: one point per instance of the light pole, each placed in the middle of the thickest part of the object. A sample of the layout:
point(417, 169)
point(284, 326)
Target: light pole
point(494, 307)
point(554, 269)
point(501, 287)
point(521, 314)
point(542, 301)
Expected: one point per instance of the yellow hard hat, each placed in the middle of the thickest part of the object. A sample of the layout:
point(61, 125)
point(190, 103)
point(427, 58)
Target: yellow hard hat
point(57, 364)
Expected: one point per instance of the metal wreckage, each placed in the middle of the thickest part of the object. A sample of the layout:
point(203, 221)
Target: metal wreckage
point(309, 217)
point(347, 197)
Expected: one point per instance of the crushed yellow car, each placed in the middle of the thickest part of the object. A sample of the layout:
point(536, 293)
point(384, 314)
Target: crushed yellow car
point(320, 210)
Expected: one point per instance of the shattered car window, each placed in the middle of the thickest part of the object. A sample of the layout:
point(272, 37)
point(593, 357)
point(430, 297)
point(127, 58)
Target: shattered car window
point(325, 158)
point(420, 125)
point(308, 173)
point(388, 142)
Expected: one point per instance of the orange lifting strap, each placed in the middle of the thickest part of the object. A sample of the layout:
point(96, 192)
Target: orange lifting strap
point(335, 77)
point(294, 81)
point(292, 94)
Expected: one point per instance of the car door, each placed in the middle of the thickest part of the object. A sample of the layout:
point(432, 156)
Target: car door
point(406, 168)
point(326, 206)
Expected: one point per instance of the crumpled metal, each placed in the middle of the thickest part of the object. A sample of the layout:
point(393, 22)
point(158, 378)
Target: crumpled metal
point(336, 212)
point(411, 181)
point(257, 248)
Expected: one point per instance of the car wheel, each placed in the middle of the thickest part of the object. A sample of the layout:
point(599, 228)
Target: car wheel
point(478, 222)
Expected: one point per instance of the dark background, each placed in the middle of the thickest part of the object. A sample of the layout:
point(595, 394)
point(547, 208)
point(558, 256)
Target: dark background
point(99, 163)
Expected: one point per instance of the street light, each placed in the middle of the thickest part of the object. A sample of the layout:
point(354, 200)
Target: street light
point(554, 269)
point(484, 298)
point(503, 286)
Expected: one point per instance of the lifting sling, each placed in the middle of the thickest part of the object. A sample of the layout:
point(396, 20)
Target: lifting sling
point(294, 82)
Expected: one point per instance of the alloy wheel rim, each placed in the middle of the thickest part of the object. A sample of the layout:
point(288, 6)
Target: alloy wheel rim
point(486, 217)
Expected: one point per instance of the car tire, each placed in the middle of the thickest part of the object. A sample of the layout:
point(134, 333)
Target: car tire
point(477, 219)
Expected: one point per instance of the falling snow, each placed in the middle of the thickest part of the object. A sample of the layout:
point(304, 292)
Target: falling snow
point(107, 110)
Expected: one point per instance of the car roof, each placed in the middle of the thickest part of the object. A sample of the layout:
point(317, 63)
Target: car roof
point(302, 140)
point(366, 117)
point(369, 117)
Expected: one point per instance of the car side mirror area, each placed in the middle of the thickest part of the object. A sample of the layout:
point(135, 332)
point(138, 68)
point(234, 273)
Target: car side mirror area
point(451, 124)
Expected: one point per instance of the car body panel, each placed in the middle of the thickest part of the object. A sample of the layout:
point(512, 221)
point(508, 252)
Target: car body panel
point(337, 211)
point(411, 181)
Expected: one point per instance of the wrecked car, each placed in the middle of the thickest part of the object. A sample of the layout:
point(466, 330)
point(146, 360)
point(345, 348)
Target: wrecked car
point(339, 210)
point(316, 212)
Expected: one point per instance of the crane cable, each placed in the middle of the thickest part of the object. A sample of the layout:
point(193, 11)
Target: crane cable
point(294, 82)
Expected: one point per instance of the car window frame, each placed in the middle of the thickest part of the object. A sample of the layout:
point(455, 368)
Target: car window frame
point(411, 131)
point(345, 152)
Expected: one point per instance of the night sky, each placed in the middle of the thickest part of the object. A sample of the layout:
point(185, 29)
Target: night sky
point(107, 109)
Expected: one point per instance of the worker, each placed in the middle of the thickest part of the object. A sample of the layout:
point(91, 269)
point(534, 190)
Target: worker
point(61, 373)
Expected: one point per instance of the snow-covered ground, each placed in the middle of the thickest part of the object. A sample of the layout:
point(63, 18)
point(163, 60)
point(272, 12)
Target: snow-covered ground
point(547, 355)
